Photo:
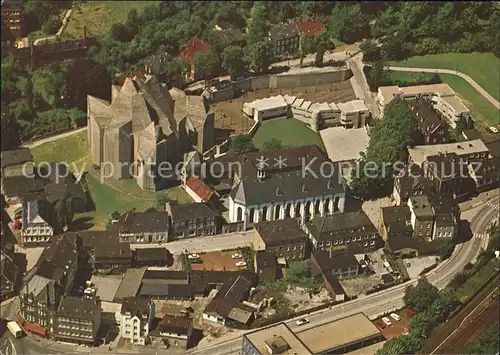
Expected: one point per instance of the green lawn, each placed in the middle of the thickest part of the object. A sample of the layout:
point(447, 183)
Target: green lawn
point(484, 68)
point(482, 110)
point(477, 280)
point(98, 16)
point(68, 149)
point(292, 133)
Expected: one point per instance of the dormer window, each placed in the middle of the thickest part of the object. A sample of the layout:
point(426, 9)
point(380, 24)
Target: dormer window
point(304, 188)
point(279, 192)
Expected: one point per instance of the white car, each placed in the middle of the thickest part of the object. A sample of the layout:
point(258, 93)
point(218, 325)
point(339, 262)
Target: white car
point(386, 321)
point(236, 256)
point(241, 263)
point(302, 321)
point(395, 317)
point(494, 129)
point(193, 256)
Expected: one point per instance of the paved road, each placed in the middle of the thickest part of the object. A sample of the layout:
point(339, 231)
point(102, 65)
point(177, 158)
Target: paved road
point(204, 244)
point(467, 78)
point(386, 300)
point(356, 64)
point(34, 144)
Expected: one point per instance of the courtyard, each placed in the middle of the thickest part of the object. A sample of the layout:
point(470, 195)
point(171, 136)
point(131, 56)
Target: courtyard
point(291, 133)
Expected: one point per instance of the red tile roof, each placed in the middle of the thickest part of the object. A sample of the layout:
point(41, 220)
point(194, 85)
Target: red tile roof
point(32, 327)
point(199, 188)
point(309, 27)
point(193, 45)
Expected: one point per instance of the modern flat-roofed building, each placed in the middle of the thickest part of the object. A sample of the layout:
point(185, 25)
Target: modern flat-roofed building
point(267, 108)
point(276, 339)
point(353, 114)
point(470, 150)
point(442, 97)
point(341, 336)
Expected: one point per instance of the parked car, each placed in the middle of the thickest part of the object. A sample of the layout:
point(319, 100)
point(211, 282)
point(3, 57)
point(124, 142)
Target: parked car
point(236, 256)
point(302, 321)
point(395, 317)
point(193, 256)
point(387, 321)
point(80, 289)
point(493, 129)
point(241, 263)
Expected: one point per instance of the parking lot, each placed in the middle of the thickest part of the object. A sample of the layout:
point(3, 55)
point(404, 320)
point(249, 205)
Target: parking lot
point(217, 261)
point(397, 327)
point(415, 266)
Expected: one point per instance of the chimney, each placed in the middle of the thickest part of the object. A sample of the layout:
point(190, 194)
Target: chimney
point(261, 174)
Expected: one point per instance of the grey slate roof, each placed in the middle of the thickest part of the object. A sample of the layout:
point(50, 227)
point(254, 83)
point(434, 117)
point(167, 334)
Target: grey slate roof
point(190, 211)
point(339, 225)
point(397, 220)
point(280, 231)
point(15, 157)
point(138, 222)
point(76, 307)
point(166, 290)
point(284, 31)
point(61, 252)
point(35, 208)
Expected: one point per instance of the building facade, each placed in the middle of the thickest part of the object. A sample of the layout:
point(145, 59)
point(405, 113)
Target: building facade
point(39, 223)
point(285, 39)
point(143, 227)
point(192, 220)
point(137, 315)
point(422, 217)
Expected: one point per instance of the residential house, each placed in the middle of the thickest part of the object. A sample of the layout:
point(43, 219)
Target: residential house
point(198, 190)
point(152, 257)
point(410, 182)
point(172, 331)
point(340, 263)
point(227, 306)
point(395, 222)
point(485, 173)
point(137, 315)
point(48, 281)
point(284, 39)
point(422, 217)
point(449, 174)
point(343, 229)
point(282, 183)
point(13, 17)
point(192, 220)
point(205, 281)
point(11, 270)
point(446, 216)
point(8, 39)
point(166, 285)
point(432, 128)
point(143, 227)
point(309, 28)
point(473, 150)
point(103, 250)
point(284, 238)
point(193, 46)
point(266, 266)
point(78, 319)
point(39, 223)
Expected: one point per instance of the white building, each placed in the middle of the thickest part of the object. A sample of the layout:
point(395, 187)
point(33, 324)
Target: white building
point(352, 114)
point(38, 222)
point(443, 98)
point(137, 315)
point(265, 109)
point(307, 185)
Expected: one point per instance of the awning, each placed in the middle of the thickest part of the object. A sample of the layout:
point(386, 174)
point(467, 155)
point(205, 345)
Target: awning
point(35, 328)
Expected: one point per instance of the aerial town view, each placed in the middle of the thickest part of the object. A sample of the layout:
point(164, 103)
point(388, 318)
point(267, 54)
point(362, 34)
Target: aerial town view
point(250, 177)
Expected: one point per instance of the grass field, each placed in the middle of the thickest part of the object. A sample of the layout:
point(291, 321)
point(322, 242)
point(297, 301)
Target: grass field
point(484, 68)
point(122, 196)
point(292, 133)
point(68, 149)
point(482, 110)
point(477, 280)
point(98, 16)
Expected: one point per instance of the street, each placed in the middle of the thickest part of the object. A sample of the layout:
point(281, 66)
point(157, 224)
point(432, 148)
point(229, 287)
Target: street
point(205, 244)
point(389, 299)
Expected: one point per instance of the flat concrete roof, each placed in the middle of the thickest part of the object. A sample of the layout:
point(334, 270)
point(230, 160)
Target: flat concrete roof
point(370, 349)
point(352, 106)
point(387, 92)
point(344, 144)
point(341, 332)
point(106, 287)
point(267, 103)
point(260, 337)
point(456, 103)
point(420, 152)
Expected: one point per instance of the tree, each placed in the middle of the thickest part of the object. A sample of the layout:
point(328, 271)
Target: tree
point(175, 75)
point(258, 56)
point(132, 22)
point(232, 60)
point(86, 77)
point(378, 75)
point(46, 122)
point(421, 324)
point(421, 296)
point(445, 250)
point(320, 53)
point(11, 72)
point(258, 27)
point(206, 63)
point(347, 23)
point(49, 85)
point(10, 133)
point(114, 216)
point(120, 32)
point(52, 25)
point(389, 140)
point(242, 143)
point(446, 302)
point(64, 210)
point(488, 342)
point(371, 52)
point(273, 143)
point(77, 117)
